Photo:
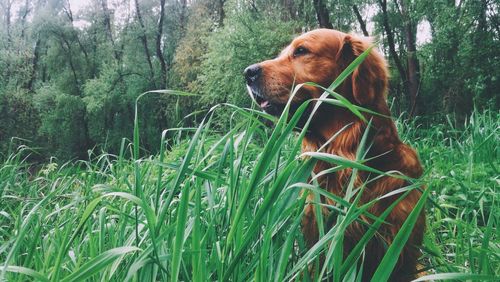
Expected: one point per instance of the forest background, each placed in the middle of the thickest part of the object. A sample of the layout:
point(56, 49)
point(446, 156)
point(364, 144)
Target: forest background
point(72, 70)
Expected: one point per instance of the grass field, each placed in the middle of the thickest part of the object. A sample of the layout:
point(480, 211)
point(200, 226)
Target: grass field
point(226, 206)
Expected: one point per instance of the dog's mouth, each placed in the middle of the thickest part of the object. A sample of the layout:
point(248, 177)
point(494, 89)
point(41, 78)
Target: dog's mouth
point(265, 104)
point(276, 109)
point(260, 100)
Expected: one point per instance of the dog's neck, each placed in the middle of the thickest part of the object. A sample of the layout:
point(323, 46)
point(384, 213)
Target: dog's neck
point(342, 134)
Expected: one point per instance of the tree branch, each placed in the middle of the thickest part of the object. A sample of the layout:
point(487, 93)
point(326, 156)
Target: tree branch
point(362, 23)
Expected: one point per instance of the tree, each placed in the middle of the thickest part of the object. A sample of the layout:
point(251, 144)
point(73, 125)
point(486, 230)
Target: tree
point(322, 14)
point(159, 34)
point(143, 37)
point(409, 73)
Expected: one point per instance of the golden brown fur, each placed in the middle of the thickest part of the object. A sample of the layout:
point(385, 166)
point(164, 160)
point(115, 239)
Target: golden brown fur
point(327, 53)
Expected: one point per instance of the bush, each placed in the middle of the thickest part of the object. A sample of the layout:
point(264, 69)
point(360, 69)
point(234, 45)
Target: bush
point(62, 118)
point(244, 40)
point(18, 117)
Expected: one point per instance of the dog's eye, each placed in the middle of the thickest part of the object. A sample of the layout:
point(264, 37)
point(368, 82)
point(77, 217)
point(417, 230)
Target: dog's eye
point(300, 51)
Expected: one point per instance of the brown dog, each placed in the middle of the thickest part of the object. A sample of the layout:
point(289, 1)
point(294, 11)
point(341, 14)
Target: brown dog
point(320, 56)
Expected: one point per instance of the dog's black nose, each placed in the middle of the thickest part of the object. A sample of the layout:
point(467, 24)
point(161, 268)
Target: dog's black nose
point(252, 73)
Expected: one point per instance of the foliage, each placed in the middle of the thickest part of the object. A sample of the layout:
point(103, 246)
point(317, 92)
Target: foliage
point(465, 51)
point(108, 52)
point(19, 118)
point(62, 122)
point(192, 47)
point(240, 43)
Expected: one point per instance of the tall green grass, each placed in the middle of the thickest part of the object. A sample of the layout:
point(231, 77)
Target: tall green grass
point(227, 206)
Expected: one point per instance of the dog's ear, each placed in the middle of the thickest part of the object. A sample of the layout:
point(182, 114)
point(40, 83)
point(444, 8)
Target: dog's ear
point(369, 79)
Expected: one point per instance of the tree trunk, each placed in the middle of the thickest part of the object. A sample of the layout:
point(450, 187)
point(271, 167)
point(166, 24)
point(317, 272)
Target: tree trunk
point(390, 40)
point(159, 52)
point(24, 17)
point(69, 13)
point(107, 25)
point(322, 14)
point(7, 12)
point(7, 15)
point(144, 39)
point(34, 65)
point(63, 43)
point(183, 16)
point(290, 12)
point(220, 12)
point(362, 23)
point(413, 70)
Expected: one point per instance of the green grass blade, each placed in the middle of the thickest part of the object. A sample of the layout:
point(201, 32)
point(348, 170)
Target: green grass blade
point(346, 103)
point(456, 276)
point(391, 257)
point(179, 233)
point(182, 171)
point(288, 245)
point(95, 265)
point(27, 271)
point(24, 230)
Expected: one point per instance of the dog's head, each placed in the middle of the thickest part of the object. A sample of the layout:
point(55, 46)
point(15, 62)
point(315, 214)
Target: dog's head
point(318, 56)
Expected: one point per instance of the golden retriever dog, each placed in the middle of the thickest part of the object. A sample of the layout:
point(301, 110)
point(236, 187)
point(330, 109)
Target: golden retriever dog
point(320, 56)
